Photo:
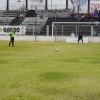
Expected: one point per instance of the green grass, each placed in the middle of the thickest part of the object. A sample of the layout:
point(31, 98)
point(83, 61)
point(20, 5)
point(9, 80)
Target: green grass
point(34, 71)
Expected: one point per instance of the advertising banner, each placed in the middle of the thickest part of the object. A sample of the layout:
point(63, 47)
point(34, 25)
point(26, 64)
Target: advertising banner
point(94, 5)
point(7, 29)
point(78, 2)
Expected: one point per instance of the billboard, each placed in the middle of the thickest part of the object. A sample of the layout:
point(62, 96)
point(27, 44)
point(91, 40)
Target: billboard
point(7, 29)
point(94, 5)
point(78, 2)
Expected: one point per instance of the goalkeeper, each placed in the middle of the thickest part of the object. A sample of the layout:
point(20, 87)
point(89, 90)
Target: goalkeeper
point(80, 36)
point(12, 32)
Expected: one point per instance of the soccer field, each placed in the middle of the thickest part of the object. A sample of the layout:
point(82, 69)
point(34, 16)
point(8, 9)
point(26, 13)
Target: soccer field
point(34, 71)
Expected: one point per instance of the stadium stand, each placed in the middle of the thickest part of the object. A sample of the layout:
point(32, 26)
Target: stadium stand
point(9, 17)
point(31, 13)
point(11, 13)
point(49, 23)
point(35, 25)
point(35, 22)
point(5, 20)
point(16, 22)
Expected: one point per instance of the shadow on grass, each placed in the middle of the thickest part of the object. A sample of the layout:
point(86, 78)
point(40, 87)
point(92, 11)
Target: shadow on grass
point(56, 76)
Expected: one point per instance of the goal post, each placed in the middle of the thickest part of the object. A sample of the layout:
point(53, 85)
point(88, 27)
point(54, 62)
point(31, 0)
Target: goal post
point(65, 28)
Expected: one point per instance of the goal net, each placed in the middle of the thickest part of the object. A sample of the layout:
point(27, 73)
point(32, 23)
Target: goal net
point(64, 29)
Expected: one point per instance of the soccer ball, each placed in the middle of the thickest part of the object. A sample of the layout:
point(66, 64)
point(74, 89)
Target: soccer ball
point(56, 50)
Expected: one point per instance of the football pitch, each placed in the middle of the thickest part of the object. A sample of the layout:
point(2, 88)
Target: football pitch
point(34, 71)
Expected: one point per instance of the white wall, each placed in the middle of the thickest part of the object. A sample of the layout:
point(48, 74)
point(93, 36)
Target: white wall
point(46, 38)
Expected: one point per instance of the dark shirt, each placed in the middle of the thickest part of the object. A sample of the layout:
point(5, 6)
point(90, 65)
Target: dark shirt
point(80, 34)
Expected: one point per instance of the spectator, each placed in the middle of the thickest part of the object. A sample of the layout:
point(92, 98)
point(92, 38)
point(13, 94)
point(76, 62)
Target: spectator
point(18, 16)
point(36, 12)
point(95, 15)
point(82, 16)
point(96, 10)
point(41, 16)
point(99, 16)
point(72, 15)
point(99, 33)
point(79, 17)
point(72, 34)
point(53, 15)
point(22, 16)
point(94, 33)
point(91, 17)
point(91, 20)
point(76, 16)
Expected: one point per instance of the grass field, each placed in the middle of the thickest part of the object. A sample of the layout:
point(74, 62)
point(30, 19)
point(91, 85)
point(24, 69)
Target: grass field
point(34, 71)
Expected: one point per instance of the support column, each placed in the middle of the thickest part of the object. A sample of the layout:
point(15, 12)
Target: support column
point(26, 4)
point(88, 6)
point(7, 5)
point(46, 5)
point(66, 4)
point(47, 32)
point(91, 31)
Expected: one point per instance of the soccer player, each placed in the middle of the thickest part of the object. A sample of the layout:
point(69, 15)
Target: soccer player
point(12, 32)
point(80, 36)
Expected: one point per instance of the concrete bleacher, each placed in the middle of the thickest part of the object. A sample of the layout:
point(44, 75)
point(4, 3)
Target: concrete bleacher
point(11, 13)
point(67, 29)
point(5, 20)
point(31, 13)
point(33, 20)
point(8, 17)
point(34, 24)
point(15, 22)
point(49, 23)
point(58, 14)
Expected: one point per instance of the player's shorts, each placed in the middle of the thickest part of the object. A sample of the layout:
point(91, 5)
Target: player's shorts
point(12, 39)
point(80, 38)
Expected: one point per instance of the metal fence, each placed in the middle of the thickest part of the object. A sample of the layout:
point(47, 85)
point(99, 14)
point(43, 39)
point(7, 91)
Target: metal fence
point(65, 29)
